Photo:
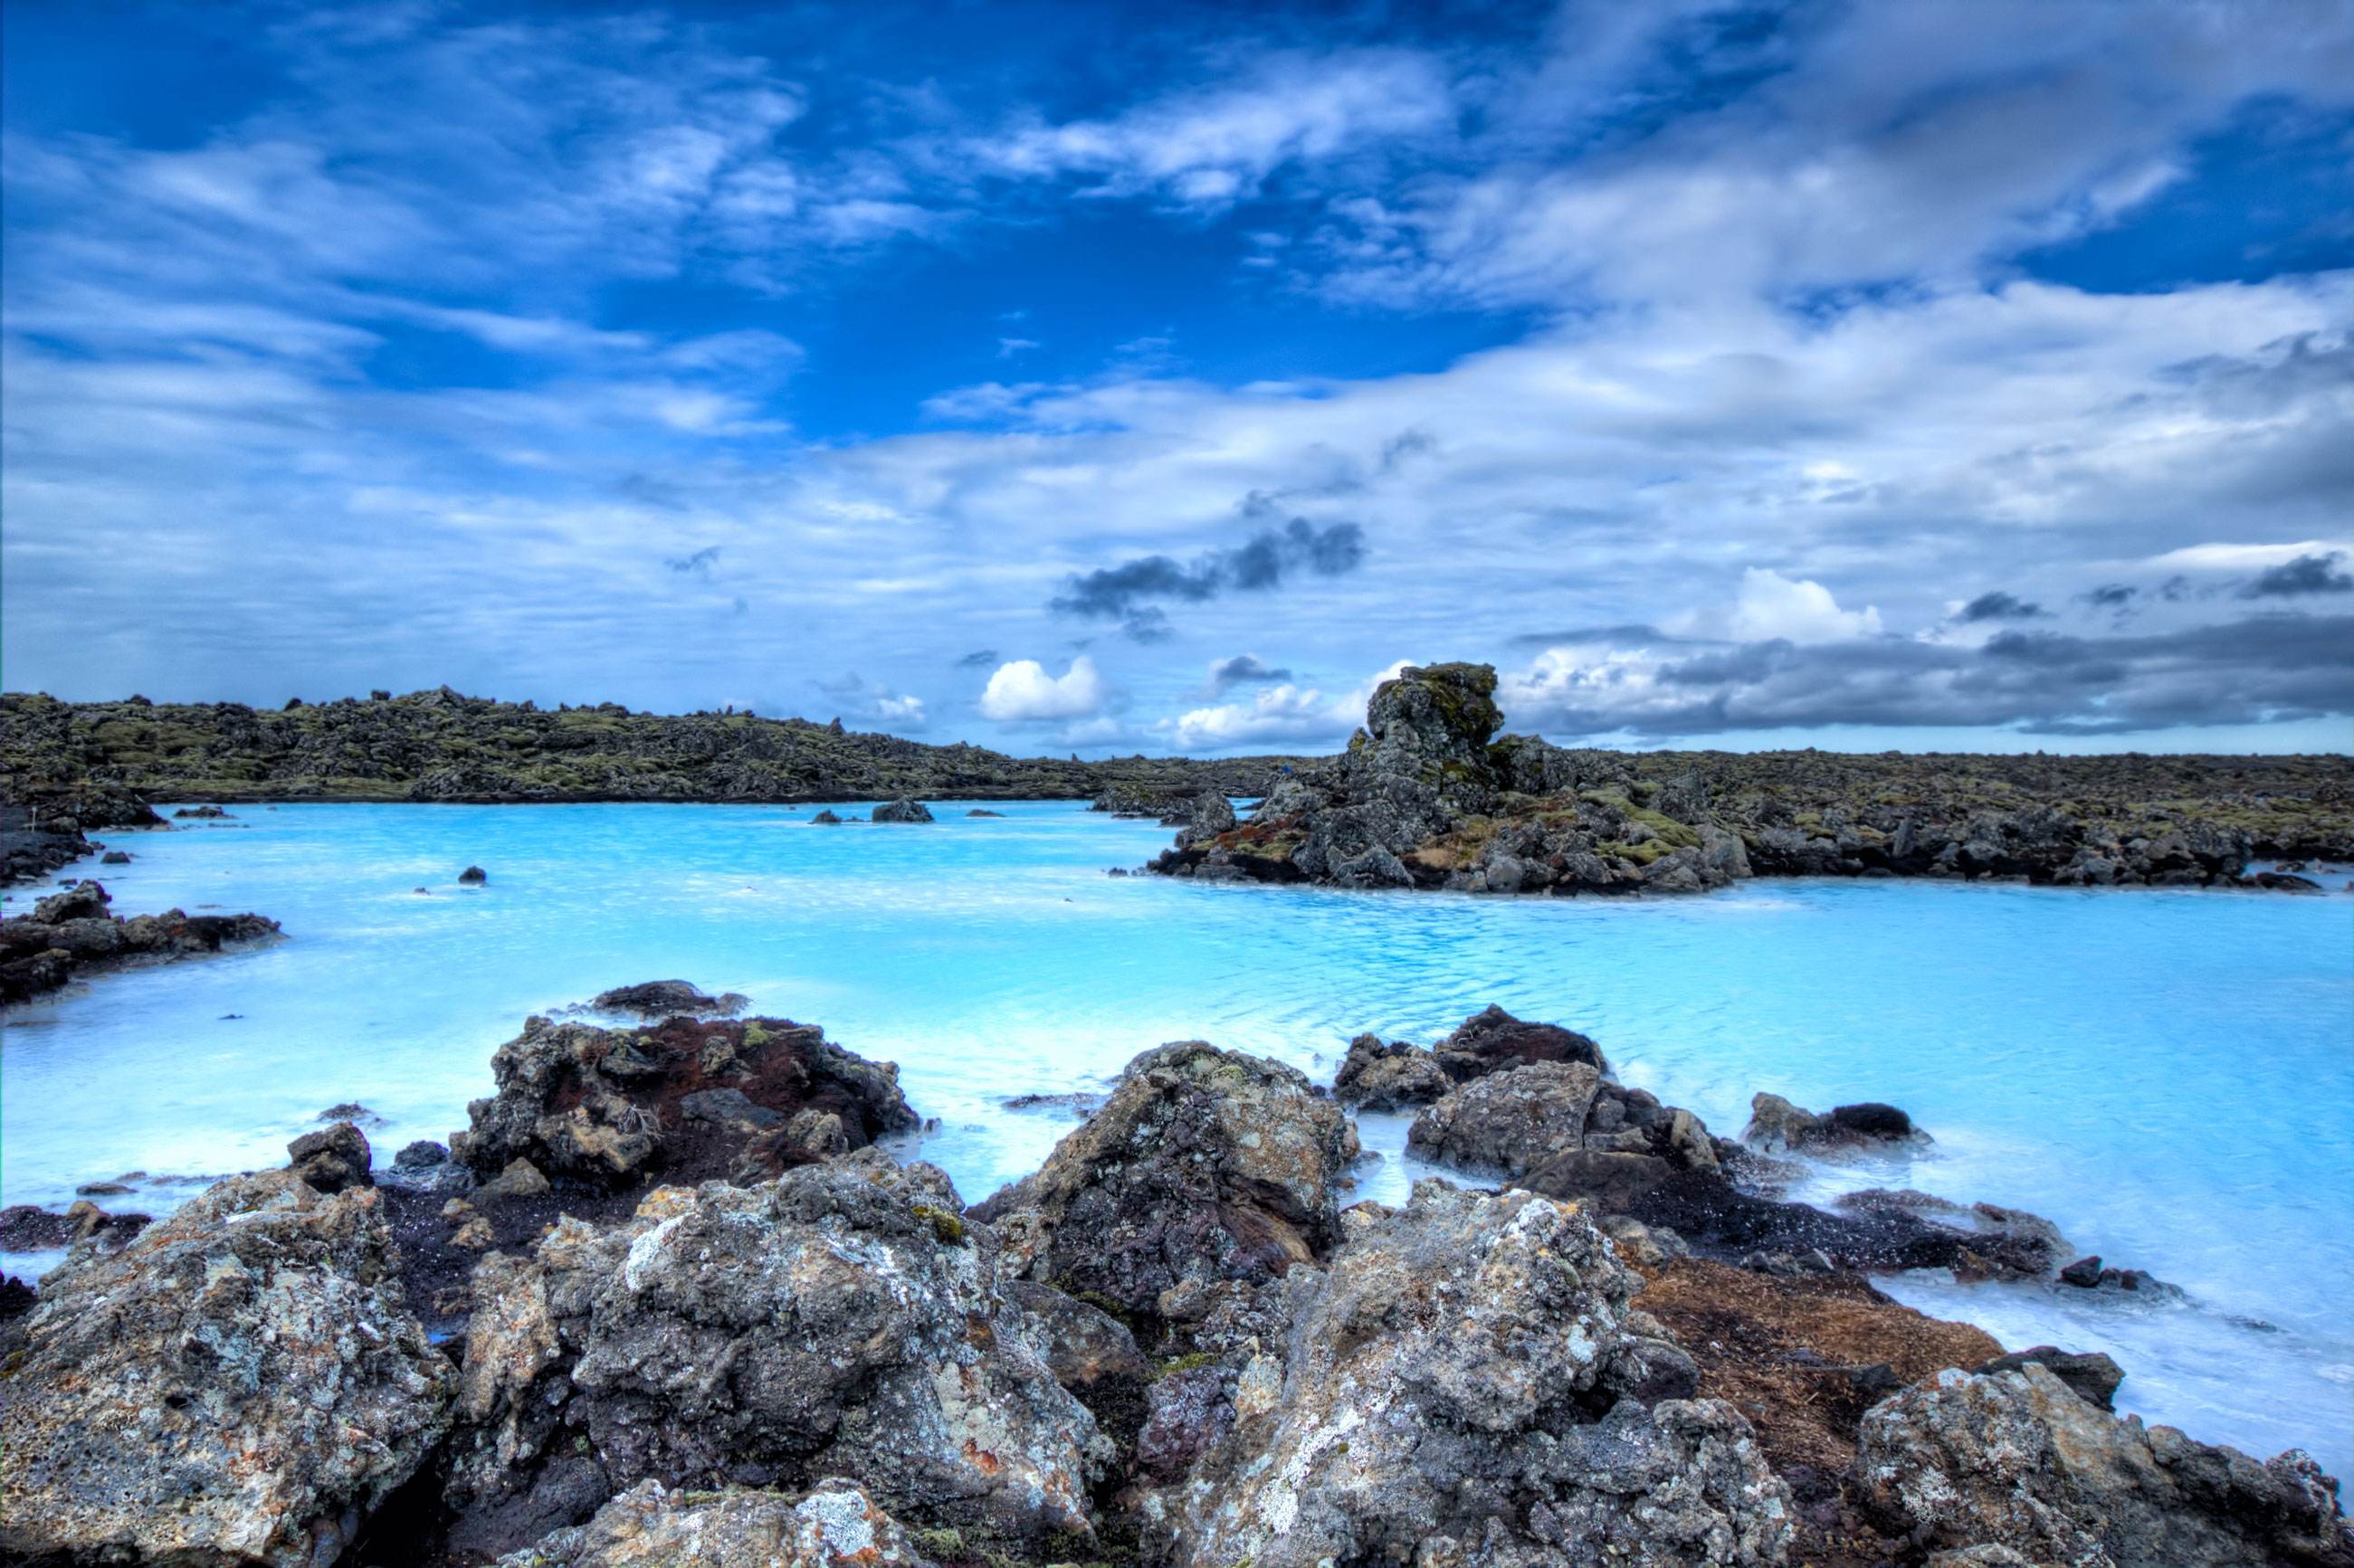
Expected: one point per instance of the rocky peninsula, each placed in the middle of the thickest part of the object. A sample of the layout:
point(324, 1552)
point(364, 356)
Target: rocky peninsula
point(1429, 795)
point(674, 1298)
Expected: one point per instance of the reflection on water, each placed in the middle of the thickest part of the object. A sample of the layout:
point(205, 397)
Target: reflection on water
point(2167, 1075)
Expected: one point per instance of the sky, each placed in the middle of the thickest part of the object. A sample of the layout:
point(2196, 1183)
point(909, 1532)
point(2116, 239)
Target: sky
point(1971, 376)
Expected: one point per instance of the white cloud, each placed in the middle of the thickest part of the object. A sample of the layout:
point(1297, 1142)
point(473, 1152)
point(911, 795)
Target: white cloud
point(1020, 691)
point(2238, 558)
point(1285, 713)
point(1802, 610)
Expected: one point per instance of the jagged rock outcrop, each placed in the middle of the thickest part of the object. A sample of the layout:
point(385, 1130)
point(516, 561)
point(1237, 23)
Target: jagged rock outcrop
point(834, 1525)
point(1203, 1165)
point(1379, 1074)
point(692, 1098)
point(239, 1384)
point(1428, 796)
point(72, 934)
point(1464, 1382)
point(2017, 1459)
point(1510, 1122)
point(842, 1320)
point(902, 810)
point(332, 1158)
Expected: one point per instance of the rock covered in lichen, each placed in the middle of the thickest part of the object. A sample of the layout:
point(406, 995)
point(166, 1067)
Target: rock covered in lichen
point(841, 1321)
point(834, 1525)
point(1203, 1164)
point(1379, 1074)
point(239, 1384)
point(1511, 1122)
point(2015, 1459)
point(1465, 1383)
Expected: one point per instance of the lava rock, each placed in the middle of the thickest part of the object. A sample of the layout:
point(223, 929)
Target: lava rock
point(2018, 1458)
point(475, 875)
point(1205, 1165)
point(332, 1158)
point(863, 1331)
point(1389, 1075)
point(1465, 1382)
point(834, 1525)
point(258, 1340)
point(660, 999)
point(902, 810)
point(606, 1107)
point(2094, 1375)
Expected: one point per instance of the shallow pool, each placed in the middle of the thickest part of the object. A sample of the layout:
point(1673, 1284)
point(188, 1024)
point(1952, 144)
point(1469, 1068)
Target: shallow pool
point(2168, 1075)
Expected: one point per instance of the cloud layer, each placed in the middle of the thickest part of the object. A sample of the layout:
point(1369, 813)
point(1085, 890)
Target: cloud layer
point(1983, 369)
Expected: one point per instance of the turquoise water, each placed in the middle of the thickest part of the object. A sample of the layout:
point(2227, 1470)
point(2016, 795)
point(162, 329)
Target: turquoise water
point(2169, 1075)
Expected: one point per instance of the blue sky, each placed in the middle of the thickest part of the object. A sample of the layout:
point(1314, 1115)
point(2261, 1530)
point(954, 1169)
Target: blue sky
point(1973, 376)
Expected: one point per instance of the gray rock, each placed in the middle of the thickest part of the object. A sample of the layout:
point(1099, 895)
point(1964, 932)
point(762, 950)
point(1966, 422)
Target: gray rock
point(2017, 1458)
point(1777, 1126)
point(240, 1384)
point(332, 1158)
point(2094, 1375)
point(1378, 1075)
point(661, 999)
point(834, 1525)
point(902, 810)
point(1466, 1385)
point(1510, 1122)
point(1203, 1164)
point(839, 1321)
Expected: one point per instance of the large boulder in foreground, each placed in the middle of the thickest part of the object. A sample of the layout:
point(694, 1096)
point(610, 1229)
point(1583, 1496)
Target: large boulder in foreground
point(240, 1384)
point(2017, 1459)
point(693, 1100)
point(1203, 1165)
point(835, 1525)
point(842, 1320)
point(1466, 1385)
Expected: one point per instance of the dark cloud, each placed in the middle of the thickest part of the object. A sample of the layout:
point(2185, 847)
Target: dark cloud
point(703, 560)
point(1630, 632)
point(2110, 596)
point(1998, 606)
point(1242, 670)
point(2306, 574)
point(1124, 592)
point(978, 659)
point(2259, 669)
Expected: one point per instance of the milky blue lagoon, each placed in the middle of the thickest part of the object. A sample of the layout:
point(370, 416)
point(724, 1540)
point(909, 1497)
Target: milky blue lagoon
point(2169, 1075)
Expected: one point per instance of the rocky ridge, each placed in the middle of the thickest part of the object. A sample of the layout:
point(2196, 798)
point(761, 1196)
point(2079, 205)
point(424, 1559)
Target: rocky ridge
point(1429, 795)
point(440, 746)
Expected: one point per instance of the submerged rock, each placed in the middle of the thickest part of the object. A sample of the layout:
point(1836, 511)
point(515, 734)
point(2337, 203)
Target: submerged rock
point(660, 999)
point(607, 1106)
point(239, 1384)
point(475, 874)
point(1465, 1383)
point(2017, 1459)
point(1777, 1126)
point(1203, 1165)
point(839, 1321)
point(834, 1525)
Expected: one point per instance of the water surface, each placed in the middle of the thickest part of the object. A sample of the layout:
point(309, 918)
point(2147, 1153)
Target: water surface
point(2168, 1075)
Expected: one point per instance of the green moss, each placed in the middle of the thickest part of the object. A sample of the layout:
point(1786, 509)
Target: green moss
point(947, 1228)
point(1176, 1364)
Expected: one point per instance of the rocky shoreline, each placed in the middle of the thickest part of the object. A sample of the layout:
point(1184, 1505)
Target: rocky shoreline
point(671, 1298)
point(1429, 796)
point(70, 936)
